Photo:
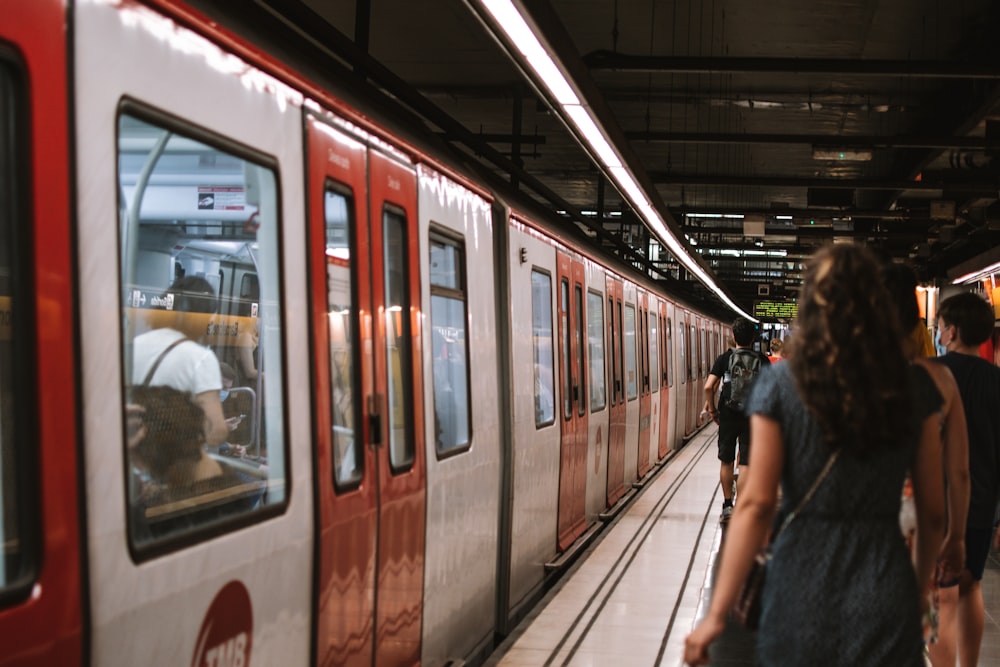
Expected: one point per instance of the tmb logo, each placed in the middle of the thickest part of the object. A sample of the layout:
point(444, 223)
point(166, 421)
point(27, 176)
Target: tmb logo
point(227, 631)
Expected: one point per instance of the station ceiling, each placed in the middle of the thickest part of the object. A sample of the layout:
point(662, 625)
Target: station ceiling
point(760, 129)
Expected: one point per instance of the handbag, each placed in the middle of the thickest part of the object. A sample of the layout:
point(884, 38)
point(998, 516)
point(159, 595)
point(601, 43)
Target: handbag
point(747, 606)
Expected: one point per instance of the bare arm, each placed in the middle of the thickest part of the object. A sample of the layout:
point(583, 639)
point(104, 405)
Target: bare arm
point(710, 390)
point(216, 429)
point(955, 441)
point(247, 366)
point(928, 497)
point(747, 530)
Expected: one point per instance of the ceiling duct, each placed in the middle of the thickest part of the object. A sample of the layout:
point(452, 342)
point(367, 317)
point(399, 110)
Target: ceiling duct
point(830, 198)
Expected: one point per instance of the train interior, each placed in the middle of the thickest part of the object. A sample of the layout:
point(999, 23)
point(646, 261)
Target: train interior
point(189, 210)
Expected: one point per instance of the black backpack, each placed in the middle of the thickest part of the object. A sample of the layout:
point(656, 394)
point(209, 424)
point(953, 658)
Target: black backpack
point(744, 365)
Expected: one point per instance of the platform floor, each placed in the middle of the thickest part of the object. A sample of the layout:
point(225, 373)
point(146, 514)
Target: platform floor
point(633, 596)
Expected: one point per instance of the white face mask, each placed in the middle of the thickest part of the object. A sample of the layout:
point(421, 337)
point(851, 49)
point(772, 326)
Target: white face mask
point(223, 393)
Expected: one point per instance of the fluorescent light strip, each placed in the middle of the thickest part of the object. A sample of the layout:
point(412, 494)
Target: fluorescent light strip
point(513, 24)
point(585, 124)
point(976, 275)
point(509, 19)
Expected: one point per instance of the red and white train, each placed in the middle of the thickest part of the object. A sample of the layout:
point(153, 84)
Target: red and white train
point(445, 394)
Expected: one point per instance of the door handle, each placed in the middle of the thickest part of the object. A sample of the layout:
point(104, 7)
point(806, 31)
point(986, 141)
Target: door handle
point(374, 421)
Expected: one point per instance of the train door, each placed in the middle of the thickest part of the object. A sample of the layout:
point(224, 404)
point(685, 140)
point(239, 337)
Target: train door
point(40, 590)
point(616, 430)
point(199, 549)
point(369, 430)
point(663, 446)
point(572, 364)
point(645, 401)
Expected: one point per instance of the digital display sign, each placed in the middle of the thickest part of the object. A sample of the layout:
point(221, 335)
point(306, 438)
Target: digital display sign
point(781, 310)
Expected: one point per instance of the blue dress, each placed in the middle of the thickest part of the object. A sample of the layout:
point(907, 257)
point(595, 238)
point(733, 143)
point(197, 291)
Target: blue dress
point(841, 588)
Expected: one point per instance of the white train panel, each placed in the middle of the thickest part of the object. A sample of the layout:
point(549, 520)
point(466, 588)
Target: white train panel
point(462, 479)
point(598, 425)
point(263, 574)
point(632, 381)
point(535, 477)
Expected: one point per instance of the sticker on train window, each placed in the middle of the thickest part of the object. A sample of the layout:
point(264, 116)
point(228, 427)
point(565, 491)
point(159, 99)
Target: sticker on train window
point(201, 318)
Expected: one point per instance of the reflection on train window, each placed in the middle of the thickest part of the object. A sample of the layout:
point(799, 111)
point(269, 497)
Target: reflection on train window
point(399, 363)
point(654, 358)
point(449, 344)
point(541, 337)
point(205, 436)
point(567, 360)
point(631, 384)
point(595, 340)
point(338, 211)
point(17, 562)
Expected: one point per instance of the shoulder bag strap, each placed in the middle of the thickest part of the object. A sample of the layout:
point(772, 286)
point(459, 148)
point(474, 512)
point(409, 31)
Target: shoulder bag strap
point(156, 364)
point(809, 494)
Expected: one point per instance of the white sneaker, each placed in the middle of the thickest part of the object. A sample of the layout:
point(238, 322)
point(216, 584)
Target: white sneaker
point(727, 513)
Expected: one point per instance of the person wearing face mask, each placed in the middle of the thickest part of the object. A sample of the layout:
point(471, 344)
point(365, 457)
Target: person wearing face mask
point(965, 321)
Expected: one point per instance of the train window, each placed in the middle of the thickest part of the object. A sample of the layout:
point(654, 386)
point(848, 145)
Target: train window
point(581, 398)
point(399, 362)
point(206, 446)
point(669, 347)
point(682, 341)
point(595, 345)
point(613, 360)
point(342, 332)
point(640, 335)
point(692, 365)
point(18, 507)
point(450, 347)
point(567, 357)
point(541, 337)
point(654, 357)
point(631, 384)
point(620, 355)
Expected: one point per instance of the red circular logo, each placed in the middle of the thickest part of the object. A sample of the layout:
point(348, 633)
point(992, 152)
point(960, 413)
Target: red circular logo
point(227, 631)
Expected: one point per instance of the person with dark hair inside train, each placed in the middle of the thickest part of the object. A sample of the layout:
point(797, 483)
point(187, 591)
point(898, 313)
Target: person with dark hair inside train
point(736, 368)
point(170, 449)
point(188, 366)
point(901, 282)
point(845, 416)
point(965, 321)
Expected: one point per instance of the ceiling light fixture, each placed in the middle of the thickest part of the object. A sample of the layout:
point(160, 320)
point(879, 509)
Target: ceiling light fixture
point(974, 276)
point(506, 17)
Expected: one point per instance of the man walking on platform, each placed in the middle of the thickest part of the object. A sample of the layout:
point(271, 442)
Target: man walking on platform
point(736, 368)
point(965, 321)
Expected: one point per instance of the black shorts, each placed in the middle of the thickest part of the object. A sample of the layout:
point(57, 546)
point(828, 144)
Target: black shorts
point(733, 427)
point(977, 550)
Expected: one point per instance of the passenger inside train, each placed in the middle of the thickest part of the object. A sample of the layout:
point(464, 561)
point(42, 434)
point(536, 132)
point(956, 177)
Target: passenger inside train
point(202, 221)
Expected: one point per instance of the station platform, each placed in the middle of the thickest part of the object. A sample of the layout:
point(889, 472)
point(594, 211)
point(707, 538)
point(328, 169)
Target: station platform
point(633, 595)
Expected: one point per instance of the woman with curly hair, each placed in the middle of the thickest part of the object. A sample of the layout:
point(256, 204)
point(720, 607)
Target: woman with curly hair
point(841, 588)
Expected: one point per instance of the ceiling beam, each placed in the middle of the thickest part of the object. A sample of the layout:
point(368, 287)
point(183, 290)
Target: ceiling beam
point(619, 62)
point(667, 178)
point(844, 141)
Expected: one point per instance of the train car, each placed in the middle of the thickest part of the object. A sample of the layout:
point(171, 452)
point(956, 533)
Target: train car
point(281, 383)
